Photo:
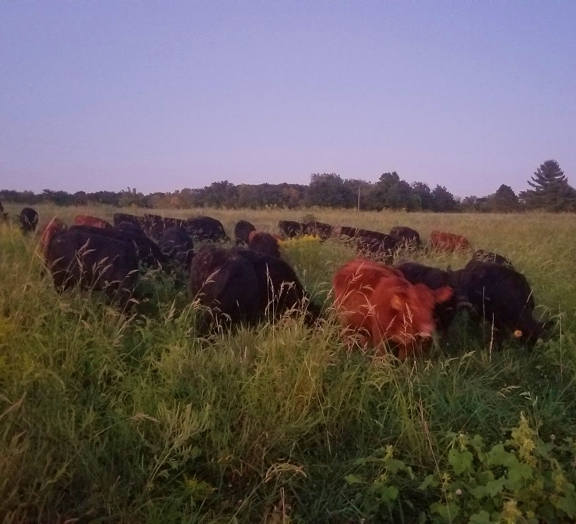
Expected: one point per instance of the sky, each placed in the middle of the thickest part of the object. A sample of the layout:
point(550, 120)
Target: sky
point(163, 95)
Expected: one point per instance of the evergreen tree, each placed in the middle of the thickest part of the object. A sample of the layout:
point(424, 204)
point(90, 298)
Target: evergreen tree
point(551, 189)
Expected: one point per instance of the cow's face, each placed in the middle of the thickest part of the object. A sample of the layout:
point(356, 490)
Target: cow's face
point(403, 314)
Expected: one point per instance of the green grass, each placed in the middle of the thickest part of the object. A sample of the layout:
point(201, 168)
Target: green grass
point(106, 418)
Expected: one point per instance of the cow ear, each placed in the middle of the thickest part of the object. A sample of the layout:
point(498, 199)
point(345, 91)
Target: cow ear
point(397, 302)
point(443, 294)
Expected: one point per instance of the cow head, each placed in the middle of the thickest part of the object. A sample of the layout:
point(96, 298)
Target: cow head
point(403, 314)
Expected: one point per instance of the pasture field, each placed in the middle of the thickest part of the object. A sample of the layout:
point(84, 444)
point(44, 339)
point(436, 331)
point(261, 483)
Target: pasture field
point(107, 418)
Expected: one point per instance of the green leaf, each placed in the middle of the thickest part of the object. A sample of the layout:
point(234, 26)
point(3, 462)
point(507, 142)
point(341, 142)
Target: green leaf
point(498, 456)
point(479, 492)
point(483, 517)
point(460, 460)
point(567, 505)
point(429, 481)
point(447, 511)
point(353, 479)
point(518, 472)
point(387, 493)
point(395, 465)
point(495, 486)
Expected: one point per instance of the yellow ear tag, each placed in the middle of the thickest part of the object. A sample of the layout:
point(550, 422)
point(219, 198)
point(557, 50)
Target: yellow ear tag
point(517, 333)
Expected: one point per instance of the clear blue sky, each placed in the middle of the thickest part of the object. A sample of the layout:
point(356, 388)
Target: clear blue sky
point(162, 95)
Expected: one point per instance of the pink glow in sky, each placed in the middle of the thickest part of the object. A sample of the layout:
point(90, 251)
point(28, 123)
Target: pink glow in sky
point(102, 95)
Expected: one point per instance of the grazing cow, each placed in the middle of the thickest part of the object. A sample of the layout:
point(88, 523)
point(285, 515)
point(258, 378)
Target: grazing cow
point(241, 285)
point(381, 305)
point(449, 242)
point(480, 255)
point(264, 243)
point(319, 229)
point(406, 236)
point(242, 230)
point(503, 297)
point(76, 257)
point(54, 226)
point(290, 229)
point(3, 215)
point(226, 283)
point(376, 244)
point(28, 220)
point(130, 227)
point(177, 245)
point(279, 288)
point(155, 225)
point(120, 218)
point(347, 232)
point(434, 278)
point(206, 228)
point(149, 254)
point(87, 220)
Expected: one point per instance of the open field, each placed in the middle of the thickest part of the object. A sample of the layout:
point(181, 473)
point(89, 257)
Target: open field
point(105, 418)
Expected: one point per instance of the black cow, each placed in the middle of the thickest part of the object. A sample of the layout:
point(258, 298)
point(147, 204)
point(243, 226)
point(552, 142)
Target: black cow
point(279, 288)
point(319, 229)
point(481, 255)
point(148, 252)
point(28, 220)
point(130, 227)
point(206, 228)
point(177, 245)
point(264, 243)
point(75, 257)
point(226, 283)
point(242, 231)
point(406, 236)
point(243, 285)
point(121, 218)
point(155, 225)
point(375, 244)
point(503, 297)
point(347, 232)
point(434, 278)
point(290, 229)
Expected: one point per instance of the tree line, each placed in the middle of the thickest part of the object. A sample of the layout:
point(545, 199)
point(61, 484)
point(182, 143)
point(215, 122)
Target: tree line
point(548, 191)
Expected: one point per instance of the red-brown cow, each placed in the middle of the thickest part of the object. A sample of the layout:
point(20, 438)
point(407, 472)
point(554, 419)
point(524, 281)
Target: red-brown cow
point(50, 230)
point(448, 242)
point(87, 220)
point(376, 301)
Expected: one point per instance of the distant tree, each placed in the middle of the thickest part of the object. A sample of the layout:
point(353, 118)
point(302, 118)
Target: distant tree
point(423, 194)
point(220, 194)
point(60, 198)
point(249, 197)
point(505, 200)
point(328, 190)
point(360, 191)
point(443, 200)
point(292, 196)
point(551, 189)
point(394, 193)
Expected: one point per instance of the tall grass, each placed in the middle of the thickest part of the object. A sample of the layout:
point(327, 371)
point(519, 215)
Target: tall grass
point(109, 418)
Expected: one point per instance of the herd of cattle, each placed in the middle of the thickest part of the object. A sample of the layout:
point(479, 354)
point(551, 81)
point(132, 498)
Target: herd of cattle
point(377, 304)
